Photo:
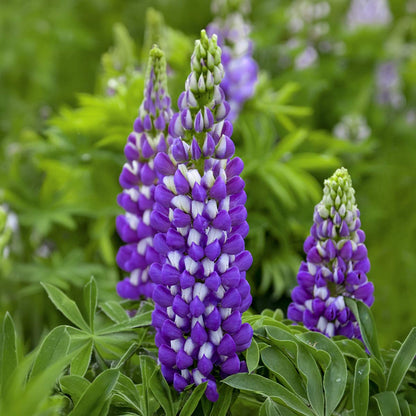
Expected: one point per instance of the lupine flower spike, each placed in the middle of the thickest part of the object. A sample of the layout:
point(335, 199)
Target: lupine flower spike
point(202, 288)
point(336, 264)
point(139, 178)
point(237, 53)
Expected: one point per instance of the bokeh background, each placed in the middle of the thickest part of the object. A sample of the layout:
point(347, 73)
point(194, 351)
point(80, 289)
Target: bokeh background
point(337, 87)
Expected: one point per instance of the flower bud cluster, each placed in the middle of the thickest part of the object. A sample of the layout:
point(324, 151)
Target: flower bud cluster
point(139, 178)
point(201, 288)
point(336, 264)
point(240, 68)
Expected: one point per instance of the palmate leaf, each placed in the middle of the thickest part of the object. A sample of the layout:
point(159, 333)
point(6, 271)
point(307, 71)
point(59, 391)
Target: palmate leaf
point(66, 305)
point(54, 347)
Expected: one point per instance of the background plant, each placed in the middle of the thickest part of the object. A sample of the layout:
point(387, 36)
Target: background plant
point(328, 95)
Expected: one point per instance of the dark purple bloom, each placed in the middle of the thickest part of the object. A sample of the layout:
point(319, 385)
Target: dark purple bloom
point(241, 69)
point(139, 179)
point(202, 289)
point(336, 264)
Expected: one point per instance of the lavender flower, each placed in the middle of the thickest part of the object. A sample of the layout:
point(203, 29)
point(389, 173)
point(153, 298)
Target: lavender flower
point(389, 85)
point(139, 179)
point(199, 212)
point(368, 13)
point(237, 49)
point(336, 264)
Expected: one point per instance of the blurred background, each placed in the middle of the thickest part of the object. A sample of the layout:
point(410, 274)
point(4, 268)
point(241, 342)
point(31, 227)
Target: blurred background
point(336, 87)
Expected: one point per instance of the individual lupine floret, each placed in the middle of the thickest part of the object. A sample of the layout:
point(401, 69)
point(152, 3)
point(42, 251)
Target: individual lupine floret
point(336, 264)
point(202, 288)
point(237, 53)
point(139, 178)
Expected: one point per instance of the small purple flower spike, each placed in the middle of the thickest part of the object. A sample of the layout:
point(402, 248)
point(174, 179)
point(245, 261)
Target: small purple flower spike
point(201, 287)
point(336, 264)
point(241, 70)
point(368, 13)
point(139, 179)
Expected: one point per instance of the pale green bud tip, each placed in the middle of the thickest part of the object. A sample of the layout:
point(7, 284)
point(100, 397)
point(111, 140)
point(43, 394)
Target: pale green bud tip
point(157, 66)
point(338, 190)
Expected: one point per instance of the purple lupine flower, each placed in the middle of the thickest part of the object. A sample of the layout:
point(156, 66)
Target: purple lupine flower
point(241, 69)
point(201, 287)
point(389, 85)
point(336, 264)
point(368, 13)
point(139, 179)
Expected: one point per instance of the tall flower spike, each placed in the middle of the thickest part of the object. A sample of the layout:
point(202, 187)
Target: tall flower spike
point(139, 178)
point(237, 50)
point(336, 264)
point(202, 289)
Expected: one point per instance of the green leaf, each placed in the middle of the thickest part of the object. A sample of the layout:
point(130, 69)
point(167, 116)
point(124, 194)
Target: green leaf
point(404, 407)
point(147, 368)
point(278, 363)
point(91, 299)
point(8, 351)
point(138, 321)
point(54, 347)
point(27, 398)
point(351, 348)
point(126, 392)
point(96, 398)
point(289, 144)
point(367, 326)
point(127, 355)
point(252, 356)
point(80, 363)
point(377, 374)
point(66, 305)
point(387, 403)
point(335, 376)
point(314, 389)
point(360, 392)
point(269, 408)
point(402, 361)
point(221, 406)
point(161, 391)
point(114, 311)
point(74, 386)
point(268, 388)
point(193, 400)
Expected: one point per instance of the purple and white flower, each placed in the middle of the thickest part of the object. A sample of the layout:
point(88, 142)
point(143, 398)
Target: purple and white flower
point(199, 212)
point(241, 70)
point(139, 179)
point(336, 264)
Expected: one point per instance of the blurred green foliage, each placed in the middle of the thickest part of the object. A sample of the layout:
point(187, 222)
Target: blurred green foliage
point(71, 76)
